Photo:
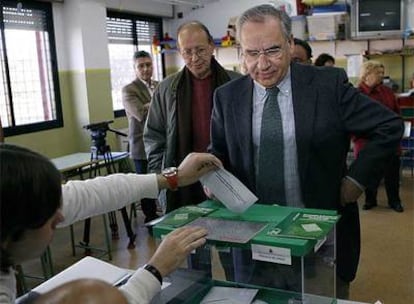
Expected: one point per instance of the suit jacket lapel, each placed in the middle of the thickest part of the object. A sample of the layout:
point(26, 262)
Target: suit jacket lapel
point(304, 104)
point(242, 116)
point(142, 89)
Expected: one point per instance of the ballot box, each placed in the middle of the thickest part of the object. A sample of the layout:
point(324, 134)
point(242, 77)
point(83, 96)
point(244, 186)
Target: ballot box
point(270, 253)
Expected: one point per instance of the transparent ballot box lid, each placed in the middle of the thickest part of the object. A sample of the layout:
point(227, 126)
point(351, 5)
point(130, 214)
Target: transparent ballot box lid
point(274, 248)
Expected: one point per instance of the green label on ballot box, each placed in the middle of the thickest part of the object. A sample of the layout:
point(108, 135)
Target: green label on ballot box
point(303, 225)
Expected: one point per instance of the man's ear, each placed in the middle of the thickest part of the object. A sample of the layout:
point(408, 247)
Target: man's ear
point(291, 44)
point(290, 40)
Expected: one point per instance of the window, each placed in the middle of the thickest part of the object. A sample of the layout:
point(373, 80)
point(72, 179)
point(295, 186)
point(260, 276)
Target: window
point(29, 91)
point(126, 34)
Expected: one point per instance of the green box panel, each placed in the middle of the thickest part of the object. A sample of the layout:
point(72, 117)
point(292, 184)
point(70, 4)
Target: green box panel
point(286, 219)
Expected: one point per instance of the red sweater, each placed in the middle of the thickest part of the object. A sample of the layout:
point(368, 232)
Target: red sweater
point(383, 95)
point(202, 104)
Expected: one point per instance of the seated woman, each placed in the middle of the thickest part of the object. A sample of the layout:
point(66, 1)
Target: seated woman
point(34, 203)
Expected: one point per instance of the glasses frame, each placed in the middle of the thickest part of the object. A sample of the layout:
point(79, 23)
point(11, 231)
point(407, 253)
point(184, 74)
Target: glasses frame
point(274, 52)
point(200, 52)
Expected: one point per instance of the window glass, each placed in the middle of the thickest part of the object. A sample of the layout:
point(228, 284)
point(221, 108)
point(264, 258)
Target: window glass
point(29, 94)
point(128, 33)
point(122, 70)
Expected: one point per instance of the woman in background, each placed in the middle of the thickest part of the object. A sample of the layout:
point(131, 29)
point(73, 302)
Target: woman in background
point(370, 83)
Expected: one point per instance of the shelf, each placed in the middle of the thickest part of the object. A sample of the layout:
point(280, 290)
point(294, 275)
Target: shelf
point(389, 55)
point(217, 47)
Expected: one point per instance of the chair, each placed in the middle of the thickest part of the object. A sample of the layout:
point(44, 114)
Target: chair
point(47, 272)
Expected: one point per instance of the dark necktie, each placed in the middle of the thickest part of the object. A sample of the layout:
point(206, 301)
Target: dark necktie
point(270, 175)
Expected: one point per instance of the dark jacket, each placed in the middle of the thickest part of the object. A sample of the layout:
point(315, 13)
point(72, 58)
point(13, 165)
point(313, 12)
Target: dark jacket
point(327, 110)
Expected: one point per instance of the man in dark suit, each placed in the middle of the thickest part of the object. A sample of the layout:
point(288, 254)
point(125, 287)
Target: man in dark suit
point(136, 98)
point(319, 110)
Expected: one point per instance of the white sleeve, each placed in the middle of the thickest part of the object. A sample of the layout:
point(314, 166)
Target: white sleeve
point(141, 287)
point(7, 287)
point(87, 198)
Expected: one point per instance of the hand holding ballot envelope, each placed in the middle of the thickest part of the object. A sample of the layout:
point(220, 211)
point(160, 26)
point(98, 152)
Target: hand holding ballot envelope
point(226, 188)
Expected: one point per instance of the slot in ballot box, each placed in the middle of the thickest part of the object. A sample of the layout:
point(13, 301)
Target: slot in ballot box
point(287, 254)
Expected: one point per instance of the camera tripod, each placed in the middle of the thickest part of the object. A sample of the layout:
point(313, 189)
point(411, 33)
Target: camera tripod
point(101, 157)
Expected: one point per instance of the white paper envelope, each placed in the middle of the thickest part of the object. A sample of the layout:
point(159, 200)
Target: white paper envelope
point(229, 190)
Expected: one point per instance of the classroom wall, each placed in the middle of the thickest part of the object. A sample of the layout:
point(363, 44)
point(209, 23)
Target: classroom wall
point(83, 63)
point(146, 7)
point(56, 142)
point(84, 76)
point(217, 14)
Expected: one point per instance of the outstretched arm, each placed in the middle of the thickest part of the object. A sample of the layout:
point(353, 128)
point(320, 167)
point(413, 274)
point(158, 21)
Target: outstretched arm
point(83, 199)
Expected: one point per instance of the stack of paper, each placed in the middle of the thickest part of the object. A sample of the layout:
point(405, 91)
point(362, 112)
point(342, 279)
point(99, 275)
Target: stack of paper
point(229, 295)
point(87, 268)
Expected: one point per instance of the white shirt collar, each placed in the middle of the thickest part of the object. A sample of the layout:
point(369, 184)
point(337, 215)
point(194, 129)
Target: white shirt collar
point(284, 86)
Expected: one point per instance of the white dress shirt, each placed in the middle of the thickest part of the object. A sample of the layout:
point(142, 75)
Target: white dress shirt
point(284, 98)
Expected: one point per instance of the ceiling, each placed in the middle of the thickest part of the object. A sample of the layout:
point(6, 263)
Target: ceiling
point(193, 3)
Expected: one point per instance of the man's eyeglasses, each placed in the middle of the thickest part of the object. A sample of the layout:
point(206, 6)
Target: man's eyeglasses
point(199, 52)
point(273, 52)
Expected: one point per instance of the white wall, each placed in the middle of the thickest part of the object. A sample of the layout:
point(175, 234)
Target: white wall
point(69, 32)
point(410, 15)
point(215, 15)
point(80, 29)
point(94, 36)
point(146, 7)
point(60, 36)
point(80, 32)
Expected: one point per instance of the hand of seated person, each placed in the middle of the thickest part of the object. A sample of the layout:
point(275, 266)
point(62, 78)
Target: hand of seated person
point(175, 247)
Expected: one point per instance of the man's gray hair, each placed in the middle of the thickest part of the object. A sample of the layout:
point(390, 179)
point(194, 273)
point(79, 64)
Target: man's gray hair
point(259, 13)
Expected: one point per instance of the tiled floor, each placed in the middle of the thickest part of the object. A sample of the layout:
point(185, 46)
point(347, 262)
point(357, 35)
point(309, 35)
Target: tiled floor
point(386, 269)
